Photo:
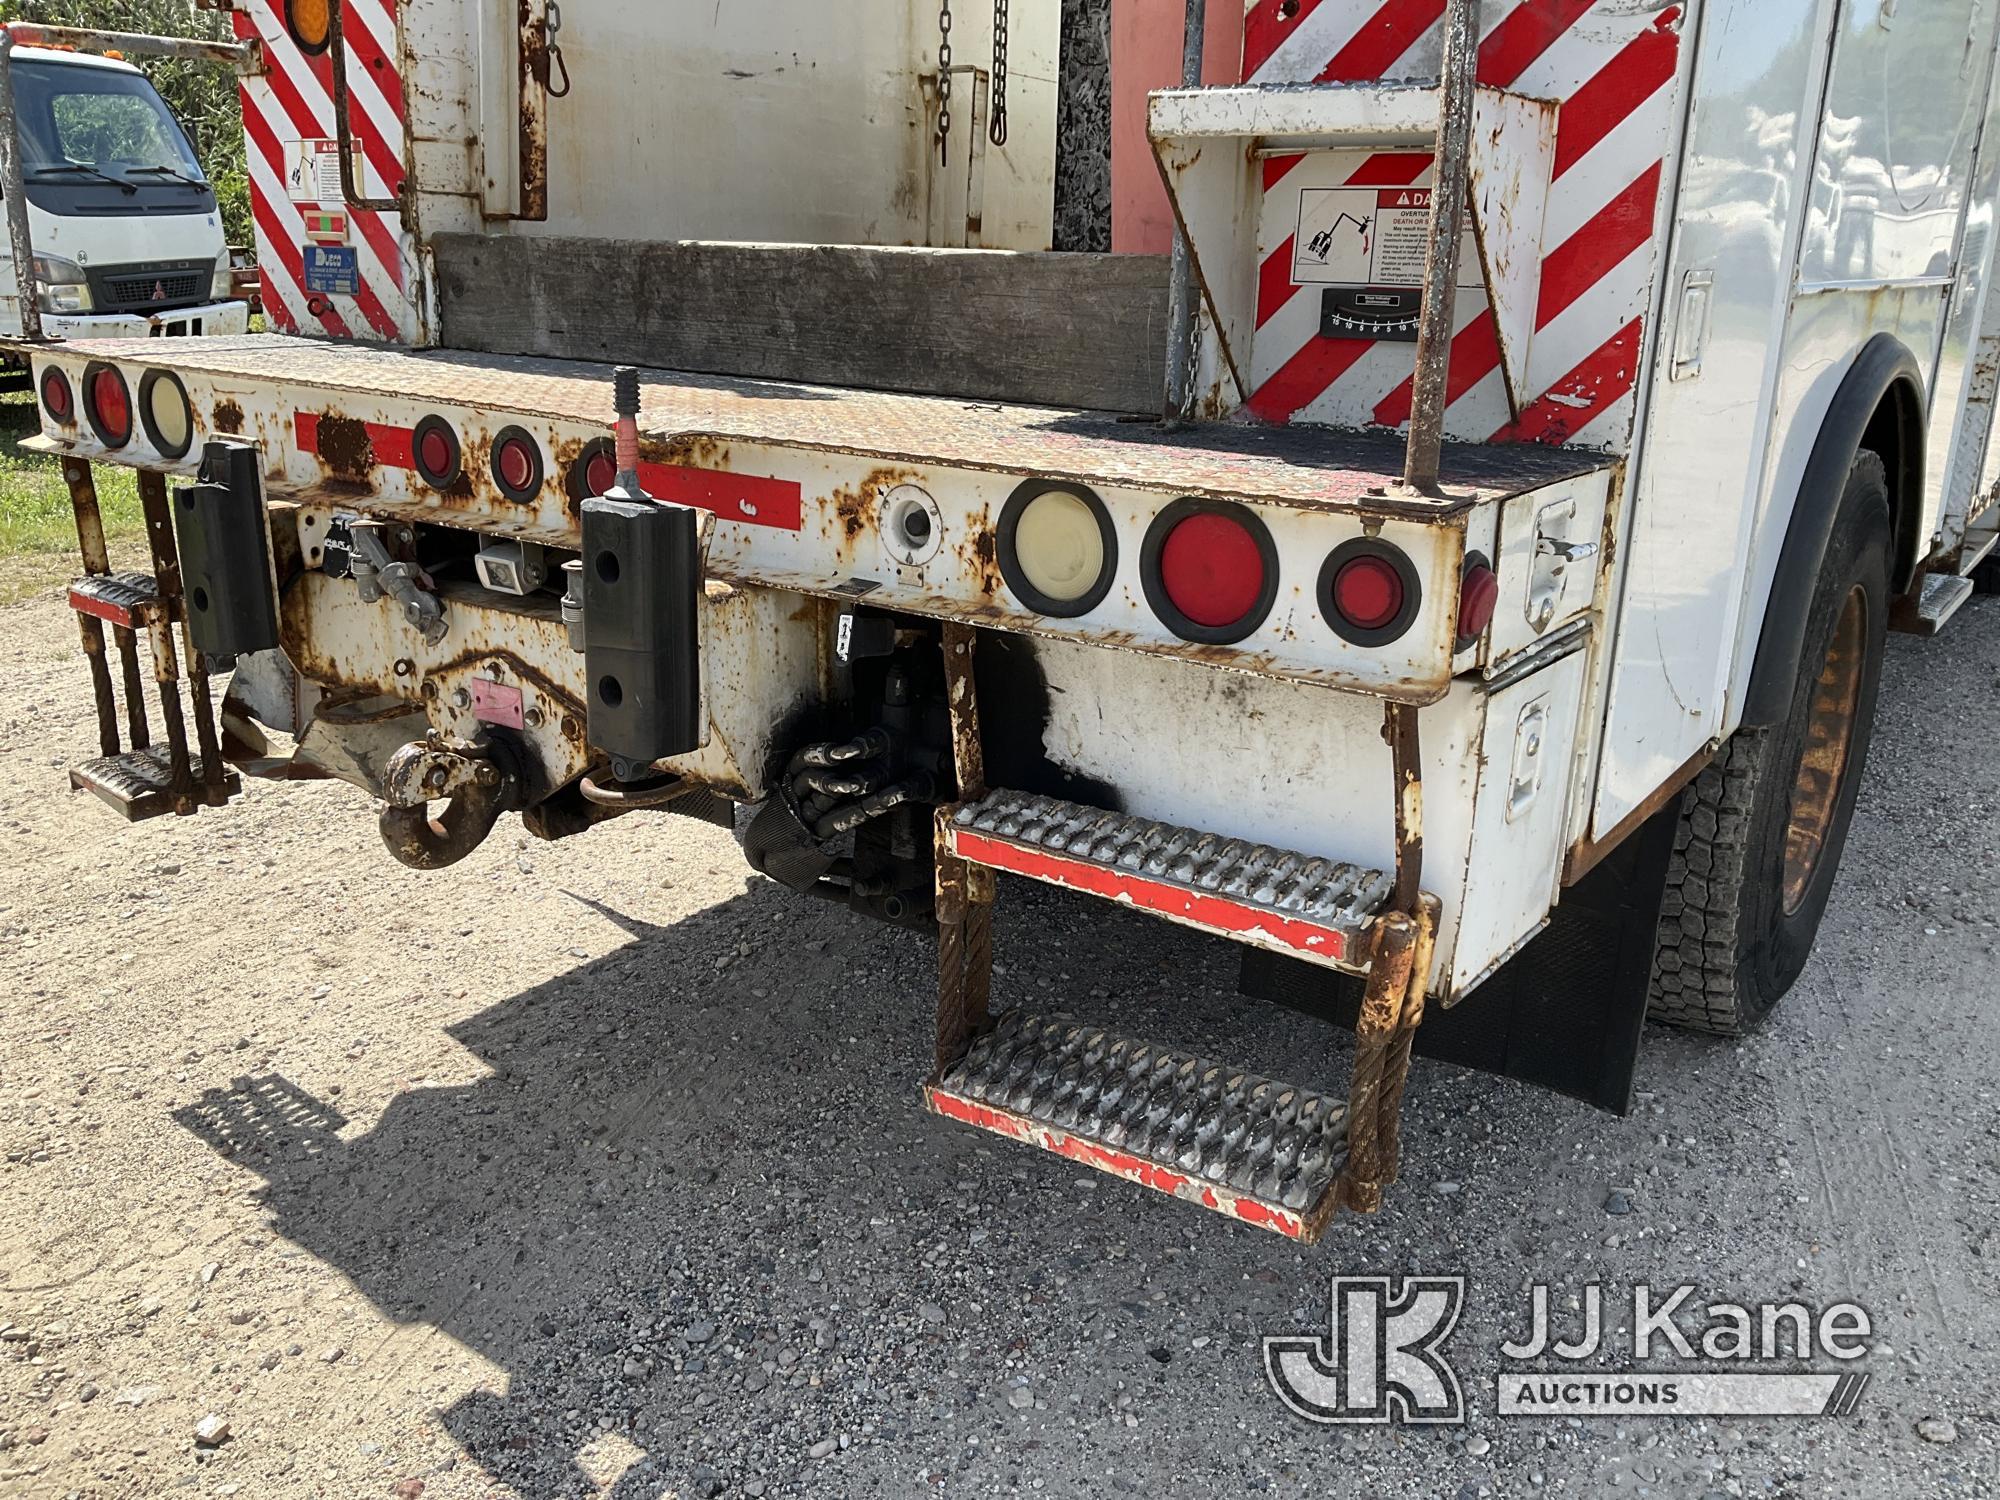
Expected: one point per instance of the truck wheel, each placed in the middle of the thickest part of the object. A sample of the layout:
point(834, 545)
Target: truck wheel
point(1762, 827)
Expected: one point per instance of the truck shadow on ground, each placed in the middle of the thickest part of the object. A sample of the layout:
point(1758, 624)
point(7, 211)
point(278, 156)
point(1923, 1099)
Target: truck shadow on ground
point(685, 1154)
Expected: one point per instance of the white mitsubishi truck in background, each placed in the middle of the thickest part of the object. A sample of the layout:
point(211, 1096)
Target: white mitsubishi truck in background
point(128, 241)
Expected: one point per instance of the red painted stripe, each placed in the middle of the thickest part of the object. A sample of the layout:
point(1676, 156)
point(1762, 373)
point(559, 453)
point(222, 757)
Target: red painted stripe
point(1389, 33)
point(1475, 354)
point(749, 498)
point(1305, 376)
point(363, 48)
point(1110, 1159)
point(388, 447)
point(1568, 271)
point(1275, 167)
point(1217, 913)
point(1581, 261)
point(1638, 72)
point(1274, 280)
point(1383, 169)
point(1265, 28)
point(1534, 26)
point(1581, 396)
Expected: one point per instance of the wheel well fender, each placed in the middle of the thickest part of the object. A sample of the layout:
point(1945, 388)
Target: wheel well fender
point(1879, 407)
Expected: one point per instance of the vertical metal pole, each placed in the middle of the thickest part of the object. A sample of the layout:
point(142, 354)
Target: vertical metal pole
point(1181, 304)
point(1454, 153)
point(17, 206)
point(166, 661)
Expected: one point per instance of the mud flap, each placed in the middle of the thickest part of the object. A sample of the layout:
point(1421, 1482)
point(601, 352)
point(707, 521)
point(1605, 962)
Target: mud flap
point(1565, 1013)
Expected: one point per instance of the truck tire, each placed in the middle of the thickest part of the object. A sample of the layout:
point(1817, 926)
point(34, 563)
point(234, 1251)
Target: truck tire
point(1762, 826)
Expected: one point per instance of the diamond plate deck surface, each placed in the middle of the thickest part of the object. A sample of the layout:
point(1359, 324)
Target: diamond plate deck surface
point(1226, 1128)
point(1284, 882)
point(1297, 465)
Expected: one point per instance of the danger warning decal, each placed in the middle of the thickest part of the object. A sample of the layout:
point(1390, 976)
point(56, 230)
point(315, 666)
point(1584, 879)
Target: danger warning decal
point(1368, 237)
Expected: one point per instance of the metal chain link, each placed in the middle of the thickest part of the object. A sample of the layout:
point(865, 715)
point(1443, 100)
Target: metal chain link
point(944, 81)
point(556, 63)
point(998, 133)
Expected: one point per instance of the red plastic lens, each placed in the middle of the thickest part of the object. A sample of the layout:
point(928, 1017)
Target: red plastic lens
point(434, 451)
point(1478, 596)
point(517, 464)
point(601, 474)
point(57, 396)
point(1368, 592)
point(112, 406)
point(1212, 569)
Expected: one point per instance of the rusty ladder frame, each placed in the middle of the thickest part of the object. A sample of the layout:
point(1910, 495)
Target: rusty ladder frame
point(1403, 937)
point(187, 794)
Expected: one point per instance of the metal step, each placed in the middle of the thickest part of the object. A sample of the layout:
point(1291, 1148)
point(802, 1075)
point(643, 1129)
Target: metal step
point(128, 599)
point(1937, 601)
point(1265, 1152)
point(1281, 899)
point(137, 784)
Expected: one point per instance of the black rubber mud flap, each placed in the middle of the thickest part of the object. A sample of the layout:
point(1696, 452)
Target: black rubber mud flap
point(641, 589)
point(225, 554)
point(1565, 1013)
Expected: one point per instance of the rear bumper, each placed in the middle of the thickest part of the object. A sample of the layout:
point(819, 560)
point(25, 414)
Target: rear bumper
point(209, 319)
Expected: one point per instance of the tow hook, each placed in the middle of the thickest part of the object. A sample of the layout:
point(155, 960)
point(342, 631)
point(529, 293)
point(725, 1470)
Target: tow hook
point(478, 781)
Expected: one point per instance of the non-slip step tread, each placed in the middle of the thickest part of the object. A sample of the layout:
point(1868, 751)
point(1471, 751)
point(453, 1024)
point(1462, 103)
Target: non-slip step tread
point(1288, 899)
point(130, 599)
point(138, 783)
point(1261, 1150)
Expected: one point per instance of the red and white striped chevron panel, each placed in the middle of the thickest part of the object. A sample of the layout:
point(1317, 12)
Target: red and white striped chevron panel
point(328, 268)
point(1613, 66)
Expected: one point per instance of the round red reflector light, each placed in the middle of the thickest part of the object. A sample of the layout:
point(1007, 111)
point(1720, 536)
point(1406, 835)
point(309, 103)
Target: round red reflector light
point(602, 473)
point(434, 446)
point(517, 464)
point(1369, 592)
point(1478, 597)
point(57, 397)
point(436, 451)
point(1210, 570)
point(108, 404)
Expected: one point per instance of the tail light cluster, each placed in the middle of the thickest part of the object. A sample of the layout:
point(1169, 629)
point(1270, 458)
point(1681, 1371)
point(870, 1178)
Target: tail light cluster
point(1210, 569)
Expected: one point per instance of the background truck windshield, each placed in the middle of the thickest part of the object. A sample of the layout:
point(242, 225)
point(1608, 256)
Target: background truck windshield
point(98, 140)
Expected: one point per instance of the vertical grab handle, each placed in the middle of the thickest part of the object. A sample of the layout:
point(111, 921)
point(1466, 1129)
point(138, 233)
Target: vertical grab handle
point(350, 183)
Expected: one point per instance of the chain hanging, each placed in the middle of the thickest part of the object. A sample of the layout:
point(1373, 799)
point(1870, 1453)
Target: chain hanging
point(944, 82)
point(998, 132)
point(555, 66)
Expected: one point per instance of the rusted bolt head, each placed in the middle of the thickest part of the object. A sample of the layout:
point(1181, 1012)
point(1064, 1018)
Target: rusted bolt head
point(429, 689)
point(488, 775)
point(460, 698)
point(532, 718)
point(405, 667)
point(435, 776)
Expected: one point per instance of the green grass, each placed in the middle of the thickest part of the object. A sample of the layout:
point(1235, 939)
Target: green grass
point(37, 528)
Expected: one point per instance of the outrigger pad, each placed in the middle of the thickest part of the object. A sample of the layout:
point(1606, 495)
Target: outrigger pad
point(1265, 1152)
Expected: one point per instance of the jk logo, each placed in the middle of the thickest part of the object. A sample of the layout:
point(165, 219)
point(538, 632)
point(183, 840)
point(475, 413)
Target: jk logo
point(1379, 1360)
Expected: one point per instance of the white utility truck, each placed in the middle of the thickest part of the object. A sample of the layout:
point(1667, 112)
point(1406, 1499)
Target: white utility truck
point(127, 240)
point(1458, 573)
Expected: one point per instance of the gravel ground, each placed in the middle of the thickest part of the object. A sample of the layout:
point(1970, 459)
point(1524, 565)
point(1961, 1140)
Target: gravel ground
point(598, 1168)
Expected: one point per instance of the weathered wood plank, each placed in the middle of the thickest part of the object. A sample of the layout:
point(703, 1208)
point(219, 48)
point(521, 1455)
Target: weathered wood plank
point(1059, 329)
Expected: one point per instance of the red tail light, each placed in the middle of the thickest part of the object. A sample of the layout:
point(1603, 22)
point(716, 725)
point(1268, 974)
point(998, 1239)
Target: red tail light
point(58, 400)
point(517, 464)
point(1210, 570)
point(434, 446)
point(593, 471)
point(108, 404)
point(1478, 597)
point(602, 472)
point(1369, 592)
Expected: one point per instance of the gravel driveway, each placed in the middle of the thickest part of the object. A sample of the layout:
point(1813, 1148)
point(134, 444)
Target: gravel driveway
point(598, 1168)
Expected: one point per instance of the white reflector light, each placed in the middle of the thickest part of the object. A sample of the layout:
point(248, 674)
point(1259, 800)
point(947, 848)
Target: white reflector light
point(1059, 546)
point(168, 408)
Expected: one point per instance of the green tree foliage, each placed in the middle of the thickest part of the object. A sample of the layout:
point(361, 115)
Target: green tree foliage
point(202, 95)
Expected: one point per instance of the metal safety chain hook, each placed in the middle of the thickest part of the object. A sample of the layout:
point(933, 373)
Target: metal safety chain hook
point(557, 66)
point(944, 82)
point(997, 132)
